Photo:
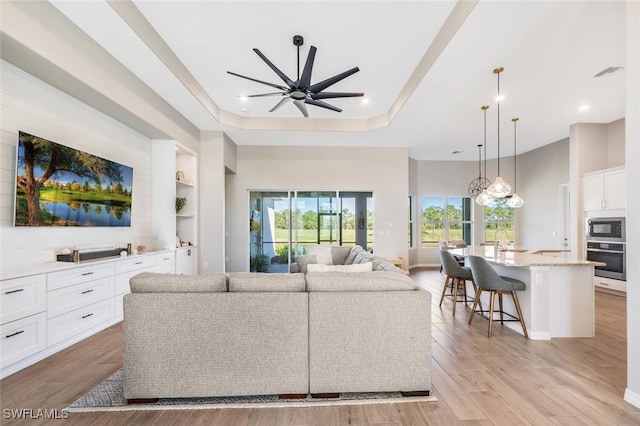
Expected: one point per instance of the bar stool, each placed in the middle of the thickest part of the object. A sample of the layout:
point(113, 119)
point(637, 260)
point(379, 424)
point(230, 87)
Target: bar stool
point(459, 275)
point(487, 279)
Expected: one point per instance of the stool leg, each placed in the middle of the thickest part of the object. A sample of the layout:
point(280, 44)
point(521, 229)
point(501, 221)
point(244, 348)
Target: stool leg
point(515, 302)
point(501, 310)
point(475, 303)
point(464, 291)
point(475, 290)
point(456, 282)
point(491, 301)
point(444, 289)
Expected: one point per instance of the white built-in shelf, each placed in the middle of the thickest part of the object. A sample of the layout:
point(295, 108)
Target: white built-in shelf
point(184, 184)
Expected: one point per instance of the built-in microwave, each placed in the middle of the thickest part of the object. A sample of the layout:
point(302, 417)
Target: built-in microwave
point(606, 229)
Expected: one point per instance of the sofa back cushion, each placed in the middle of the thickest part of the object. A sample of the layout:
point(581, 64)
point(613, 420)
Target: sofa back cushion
point(322, 252)
point(364, 281)
point(249, 282)
point(151, 282)
point(303, 261)
point(363, 267)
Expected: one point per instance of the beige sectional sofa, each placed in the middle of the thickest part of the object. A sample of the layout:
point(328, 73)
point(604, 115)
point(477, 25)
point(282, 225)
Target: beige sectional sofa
point(257, 334)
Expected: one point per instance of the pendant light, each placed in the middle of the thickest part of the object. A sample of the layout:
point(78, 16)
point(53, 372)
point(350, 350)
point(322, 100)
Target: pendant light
point(484, 198)
point(499, 188)
point(478, 184)
point(515, 201)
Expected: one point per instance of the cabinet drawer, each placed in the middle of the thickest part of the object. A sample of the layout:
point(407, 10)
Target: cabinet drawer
point(68, 325)
point(122, 281)
point(165, 263)
point(56, 280)
point(70, 298)
point(21, 338)
point(22, 297)
point(135, 263)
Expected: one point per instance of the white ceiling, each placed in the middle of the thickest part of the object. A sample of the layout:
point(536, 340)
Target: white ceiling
point(550, 52)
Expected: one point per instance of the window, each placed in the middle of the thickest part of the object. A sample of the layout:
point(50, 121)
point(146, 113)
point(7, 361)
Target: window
point(454, 225)
point(498, 215)
point(410, 221)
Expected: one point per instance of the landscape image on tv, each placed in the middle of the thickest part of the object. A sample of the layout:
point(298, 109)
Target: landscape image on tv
point(61, 186)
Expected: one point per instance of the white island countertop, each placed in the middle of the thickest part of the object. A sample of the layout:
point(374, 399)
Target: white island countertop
point(517, 256)
point(558, 300)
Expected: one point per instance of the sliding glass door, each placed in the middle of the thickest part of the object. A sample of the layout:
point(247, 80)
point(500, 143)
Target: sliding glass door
point(283, 223)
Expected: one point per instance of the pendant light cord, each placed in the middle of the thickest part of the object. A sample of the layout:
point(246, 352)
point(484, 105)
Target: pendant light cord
point(485, 108)
point(515, 152)
point(498, 122)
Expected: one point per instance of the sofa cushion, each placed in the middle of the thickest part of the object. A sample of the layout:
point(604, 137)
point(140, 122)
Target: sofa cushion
point(339, 254)
point(365, 281)
point(352, 254)
point(250, 281)
point(151, 282)
point(322, 253)
point(303, 261)
point(349, 269)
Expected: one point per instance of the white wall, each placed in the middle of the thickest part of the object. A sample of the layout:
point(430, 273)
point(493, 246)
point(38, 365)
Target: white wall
point(632, 128)
point(30, 105)
point(384, 171)
point(615, 143)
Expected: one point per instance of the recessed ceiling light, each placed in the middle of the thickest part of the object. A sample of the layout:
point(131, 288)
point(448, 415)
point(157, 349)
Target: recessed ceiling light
point(243, 98)
point(365, 100)
point(584, 107)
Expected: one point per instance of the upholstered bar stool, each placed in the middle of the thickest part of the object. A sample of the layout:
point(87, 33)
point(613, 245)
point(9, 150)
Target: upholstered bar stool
point(458, 275)
point(487, 279)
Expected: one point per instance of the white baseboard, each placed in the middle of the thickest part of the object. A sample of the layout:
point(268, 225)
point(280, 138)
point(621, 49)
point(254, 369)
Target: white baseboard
point(632, 397)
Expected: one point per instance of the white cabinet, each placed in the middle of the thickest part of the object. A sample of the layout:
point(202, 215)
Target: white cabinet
point(127, 268)
point(23, 317)
point(186, 261)
point(165, 263)
point(605, 190)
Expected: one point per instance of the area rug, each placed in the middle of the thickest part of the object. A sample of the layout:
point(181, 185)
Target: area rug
point(109, 396)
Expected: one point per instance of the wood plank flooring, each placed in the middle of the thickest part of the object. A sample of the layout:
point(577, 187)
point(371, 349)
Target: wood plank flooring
point(505, 380)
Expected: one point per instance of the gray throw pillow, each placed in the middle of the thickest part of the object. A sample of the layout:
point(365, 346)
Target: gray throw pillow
point(303, 261)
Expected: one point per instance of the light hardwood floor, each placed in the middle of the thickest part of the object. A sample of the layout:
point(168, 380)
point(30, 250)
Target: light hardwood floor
point(505, 380)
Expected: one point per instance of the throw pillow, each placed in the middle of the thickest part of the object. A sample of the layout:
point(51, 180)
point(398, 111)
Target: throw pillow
point(363, 267)
point(322, 252)
point(382, 264)
point(303, 261)
point(352, 254)
point(362, 257)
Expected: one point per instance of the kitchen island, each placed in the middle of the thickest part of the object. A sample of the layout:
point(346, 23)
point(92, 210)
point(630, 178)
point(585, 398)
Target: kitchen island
point(559, 298)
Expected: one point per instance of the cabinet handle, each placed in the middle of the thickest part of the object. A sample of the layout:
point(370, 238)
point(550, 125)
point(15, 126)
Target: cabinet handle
point(604, 284)
point(14, 291)
point(87, 291)
point(87, 273)
point(86, 316)
point(167, 258)
point(14, 334)
point(138, 263)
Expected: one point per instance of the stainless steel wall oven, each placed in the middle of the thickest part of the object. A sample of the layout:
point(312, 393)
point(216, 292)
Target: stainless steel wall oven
point(606, 242)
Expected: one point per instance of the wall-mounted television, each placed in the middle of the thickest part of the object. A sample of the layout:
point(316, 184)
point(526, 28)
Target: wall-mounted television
point(61, 186)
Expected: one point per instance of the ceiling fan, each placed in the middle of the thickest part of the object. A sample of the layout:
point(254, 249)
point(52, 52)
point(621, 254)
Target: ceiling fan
point(301, 91)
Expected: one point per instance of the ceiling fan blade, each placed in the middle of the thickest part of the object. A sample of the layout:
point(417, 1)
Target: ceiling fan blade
point(279, 104)
point(268, 94)
point(305, 80)
point(319, 87)
point(275, 69)
point(330, 95)
point(259, 81)
point(322, 104)
point(301, 106)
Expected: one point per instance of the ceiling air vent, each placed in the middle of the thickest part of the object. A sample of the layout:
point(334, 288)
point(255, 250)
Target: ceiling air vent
point(608, 71)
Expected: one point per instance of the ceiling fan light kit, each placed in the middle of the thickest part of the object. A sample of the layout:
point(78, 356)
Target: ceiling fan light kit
point(301, 92)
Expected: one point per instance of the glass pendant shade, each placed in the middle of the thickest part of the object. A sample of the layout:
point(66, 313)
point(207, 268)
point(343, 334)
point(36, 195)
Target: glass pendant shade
point(499, 188)
point(484, 198)
point(515, 201)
